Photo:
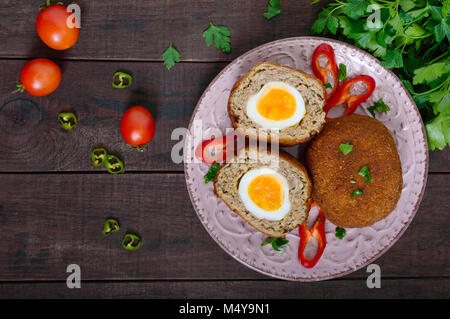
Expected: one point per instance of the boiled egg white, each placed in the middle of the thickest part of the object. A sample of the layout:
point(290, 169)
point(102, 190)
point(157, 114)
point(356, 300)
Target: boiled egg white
point(265, 193)
point(277, 105)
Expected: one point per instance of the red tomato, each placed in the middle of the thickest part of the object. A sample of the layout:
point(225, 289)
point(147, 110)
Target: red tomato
point(52, 28)
point(40, 77)
point(137, 126)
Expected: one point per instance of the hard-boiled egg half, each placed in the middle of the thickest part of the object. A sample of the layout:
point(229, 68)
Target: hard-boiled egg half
point(277, 105)
point(265, 193)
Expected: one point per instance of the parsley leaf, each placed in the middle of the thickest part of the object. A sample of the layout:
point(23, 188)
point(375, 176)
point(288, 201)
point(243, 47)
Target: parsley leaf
point(220, 35)
point(273, 9)
point(357, 192)
point(430, 72)
point(392, 59)
point(364, 172)
point(332, 24)
point(355, 9)
point(321, 22)
point(340, 232)
point(276, 243)
point(328, 85)
point(342, 74)
point(170, 56)
point(212, 172)
point(379, 106)
point(441, 101)
point(407, 4)
point(438, 131)
point(346, 148)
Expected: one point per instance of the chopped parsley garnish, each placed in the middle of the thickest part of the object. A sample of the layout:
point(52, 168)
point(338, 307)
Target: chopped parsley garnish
point(220, 35)
point(352, 181)
point(273, 9)
point(340, 232)
point(328, 85)
point(357, 192)
point(276, 243)
point(379, 106)
point(342, 72)
point(212, 172)
point(346, 148)
point(170, 56)
point(364, 172)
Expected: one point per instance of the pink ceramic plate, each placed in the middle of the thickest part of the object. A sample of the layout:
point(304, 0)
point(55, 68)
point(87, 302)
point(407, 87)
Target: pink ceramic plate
point(361, 246)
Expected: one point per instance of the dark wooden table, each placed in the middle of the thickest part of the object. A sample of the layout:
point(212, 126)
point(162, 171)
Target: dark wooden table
point(53, 203)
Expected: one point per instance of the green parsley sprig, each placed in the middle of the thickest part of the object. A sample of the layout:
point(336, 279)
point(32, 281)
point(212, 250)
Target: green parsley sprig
point(379, 106)
point(170, 56)
point(276, 243)
point(411, 37)
point(212, 172)
point(273, 9)
point(220, 35)
point(340, 232)
point(346, 148)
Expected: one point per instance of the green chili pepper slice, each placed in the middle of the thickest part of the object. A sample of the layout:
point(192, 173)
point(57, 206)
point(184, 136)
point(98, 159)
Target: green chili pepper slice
point(67, 120)
point(131, 242)
point(121, 80)
point(114, 165)
point(98, 156)
point(111, 226)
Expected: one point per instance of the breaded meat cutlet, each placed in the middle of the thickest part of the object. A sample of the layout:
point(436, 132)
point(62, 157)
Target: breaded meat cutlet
point(335, 175)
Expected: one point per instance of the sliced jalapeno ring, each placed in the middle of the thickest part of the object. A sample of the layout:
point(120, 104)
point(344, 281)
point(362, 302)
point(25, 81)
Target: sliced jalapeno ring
point(67, 120)
point(114, 165)
point(111, 226)
point(131, 242)
point(121, 80)
point(98, 156)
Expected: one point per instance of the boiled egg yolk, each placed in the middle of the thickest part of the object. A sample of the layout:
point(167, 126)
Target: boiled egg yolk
point(267, 192)
point(277, 105)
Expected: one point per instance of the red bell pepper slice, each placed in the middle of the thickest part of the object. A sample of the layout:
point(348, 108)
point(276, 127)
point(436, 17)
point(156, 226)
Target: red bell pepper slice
point(342, 95)
point(322, 73)
point(214, 150)
point(318, 231)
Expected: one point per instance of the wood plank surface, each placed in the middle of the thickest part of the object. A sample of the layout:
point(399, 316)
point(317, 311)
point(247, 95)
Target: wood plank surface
point(49, 221)
point(53, 203)
point(31, 139)
point(142, 30)
point(354, 289)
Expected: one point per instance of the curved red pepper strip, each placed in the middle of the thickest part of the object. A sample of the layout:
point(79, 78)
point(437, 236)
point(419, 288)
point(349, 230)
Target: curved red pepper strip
point(318, 231)
point(320, 72)
point(342, 95)
point(204, 150)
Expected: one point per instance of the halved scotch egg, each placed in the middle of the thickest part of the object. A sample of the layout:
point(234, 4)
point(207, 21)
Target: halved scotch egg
point(277, 104)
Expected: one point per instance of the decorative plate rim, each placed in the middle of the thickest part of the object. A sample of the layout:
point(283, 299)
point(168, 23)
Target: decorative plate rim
point(399, 234)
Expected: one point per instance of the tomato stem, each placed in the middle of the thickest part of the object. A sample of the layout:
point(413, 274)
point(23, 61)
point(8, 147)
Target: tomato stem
point(140, 148)
point(47, 4)
point(20, 88)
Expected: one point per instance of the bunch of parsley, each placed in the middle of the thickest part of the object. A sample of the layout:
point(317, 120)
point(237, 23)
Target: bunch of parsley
point(411, 37)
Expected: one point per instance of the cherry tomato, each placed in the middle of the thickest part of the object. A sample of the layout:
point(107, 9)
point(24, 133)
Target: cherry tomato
point(137, 126)
point(52, 28)
point(40, 77)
